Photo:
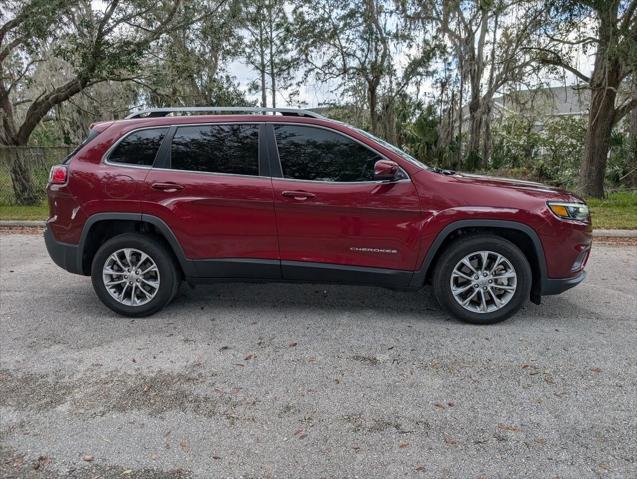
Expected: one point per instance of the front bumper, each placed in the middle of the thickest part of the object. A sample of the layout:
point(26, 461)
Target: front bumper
point(556, 286)
point(65, 255)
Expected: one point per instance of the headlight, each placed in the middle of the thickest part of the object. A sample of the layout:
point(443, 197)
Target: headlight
point(569, 211)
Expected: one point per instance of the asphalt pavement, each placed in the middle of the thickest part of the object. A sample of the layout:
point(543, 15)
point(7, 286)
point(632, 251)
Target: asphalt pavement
point(280, 380)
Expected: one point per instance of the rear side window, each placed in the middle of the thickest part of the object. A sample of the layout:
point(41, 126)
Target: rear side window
point(230, 149)
point(309, 153)
point(139, 148)
point(91, 135)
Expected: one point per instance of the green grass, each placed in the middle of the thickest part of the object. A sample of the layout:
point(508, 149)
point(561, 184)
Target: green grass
point(40, 212)
point(617, 211)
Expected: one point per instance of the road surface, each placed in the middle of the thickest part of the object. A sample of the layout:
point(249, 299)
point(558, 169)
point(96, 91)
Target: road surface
point(280, 380)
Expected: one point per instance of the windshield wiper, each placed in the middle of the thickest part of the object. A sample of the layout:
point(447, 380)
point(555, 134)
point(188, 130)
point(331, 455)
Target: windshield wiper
point(442, 171)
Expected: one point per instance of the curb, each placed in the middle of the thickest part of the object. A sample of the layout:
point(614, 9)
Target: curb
point(596, 233)
point(614, 233)
point(22, 224)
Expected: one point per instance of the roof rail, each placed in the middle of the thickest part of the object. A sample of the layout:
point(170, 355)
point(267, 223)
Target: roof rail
point(157, 112)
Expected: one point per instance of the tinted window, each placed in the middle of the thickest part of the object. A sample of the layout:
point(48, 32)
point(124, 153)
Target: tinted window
point(91, 134)
point(309, 153)
point(138, 148)
point(217, 149)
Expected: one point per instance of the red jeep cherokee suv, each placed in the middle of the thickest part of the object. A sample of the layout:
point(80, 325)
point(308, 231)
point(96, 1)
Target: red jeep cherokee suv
point(287, 195)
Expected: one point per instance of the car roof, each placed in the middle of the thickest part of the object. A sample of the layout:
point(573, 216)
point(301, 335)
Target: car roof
point(146, 122)
point(165, 111)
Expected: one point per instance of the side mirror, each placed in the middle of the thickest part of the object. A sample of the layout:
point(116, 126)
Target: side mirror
point(385, 170)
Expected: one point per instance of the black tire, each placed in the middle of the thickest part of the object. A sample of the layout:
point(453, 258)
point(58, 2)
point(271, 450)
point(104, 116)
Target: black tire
point(153, 247)
point(465, 246)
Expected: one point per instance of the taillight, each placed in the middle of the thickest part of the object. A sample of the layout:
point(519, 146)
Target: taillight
point(58, 175)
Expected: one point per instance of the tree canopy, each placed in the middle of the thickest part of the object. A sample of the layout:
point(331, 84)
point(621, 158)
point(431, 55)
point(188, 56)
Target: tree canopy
point(428, 75)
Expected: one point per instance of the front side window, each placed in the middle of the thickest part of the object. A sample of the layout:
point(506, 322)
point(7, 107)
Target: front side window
point(309, 153)
point(139, 148)
point(230, 149)
point(395, 149)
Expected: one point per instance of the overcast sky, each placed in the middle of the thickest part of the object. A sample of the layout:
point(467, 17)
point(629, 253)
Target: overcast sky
point(311, 93)
point(314, 93)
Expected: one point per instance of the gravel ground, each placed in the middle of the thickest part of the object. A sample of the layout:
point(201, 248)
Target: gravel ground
point(244, 380)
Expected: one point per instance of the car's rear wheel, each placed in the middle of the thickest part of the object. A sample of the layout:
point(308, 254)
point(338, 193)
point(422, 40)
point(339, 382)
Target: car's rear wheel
point(482, 279)
point(134, 274)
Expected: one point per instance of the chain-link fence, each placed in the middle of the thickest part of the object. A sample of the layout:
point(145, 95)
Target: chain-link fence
point(24, 172)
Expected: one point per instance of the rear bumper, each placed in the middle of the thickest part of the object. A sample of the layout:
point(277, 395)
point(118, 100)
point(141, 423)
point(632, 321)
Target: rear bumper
point(556, 286)
point(63, 254)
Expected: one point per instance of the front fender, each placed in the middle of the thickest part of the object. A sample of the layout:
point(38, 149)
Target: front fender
point(435, 237)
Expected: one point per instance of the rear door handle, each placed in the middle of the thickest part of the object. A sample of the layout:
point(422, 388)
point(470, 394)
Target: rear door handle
point(298, 195)
point(168, 187)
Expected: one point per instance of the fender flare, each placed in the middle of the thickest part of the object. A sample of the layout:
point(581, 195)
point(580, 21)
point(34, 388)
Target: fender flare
point(158, 223)
point(418, 279)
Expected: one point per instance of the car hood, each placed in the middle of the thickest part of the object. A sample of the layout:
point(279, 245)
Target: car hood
point(528, 186)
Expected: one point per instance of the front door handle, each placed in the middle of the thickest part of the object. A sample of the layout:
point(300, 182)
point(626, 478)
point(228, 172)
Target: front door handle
point(298, 195)
point(168, 187)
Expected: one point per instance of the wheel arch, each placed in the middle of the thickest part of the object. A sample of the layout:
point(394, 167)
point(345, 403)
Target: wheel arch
point(522, 235)
point(103, 226)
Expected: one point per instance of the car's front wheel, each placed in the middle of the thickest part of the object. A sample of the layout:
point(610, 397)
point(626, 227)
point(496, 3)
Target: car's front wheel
point(482, 279)
point(134, 274)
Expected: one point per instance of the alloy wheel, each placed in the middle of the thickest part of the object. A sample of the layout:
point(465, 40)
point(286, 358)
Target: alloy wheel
point(131, 277)
point(483, 282)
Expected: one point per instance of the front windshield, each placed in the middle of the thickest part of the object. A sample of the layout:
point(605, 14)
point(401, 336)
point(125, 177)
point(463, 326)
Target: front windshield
point(393, 148)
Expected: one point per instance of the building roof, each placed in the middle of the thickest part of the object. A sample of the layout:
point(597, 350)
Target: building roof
point(551, 101)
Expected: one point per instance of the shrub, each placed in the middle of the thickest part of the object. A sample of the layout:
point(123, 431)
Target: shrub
point(552, 150)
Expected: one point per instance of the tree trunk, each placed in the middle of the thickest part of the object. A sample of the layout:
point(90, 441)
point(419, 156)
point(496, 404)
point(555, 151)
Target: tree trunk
point(272, 59)
point(460, 156)
point(461, 75)
point(631, 178)
point(476, 68)
point(633, 121)
point(597, 142)
point(446, 136)
point(272, 79)
point(487, 139)
point(475, 129)
point(264, 100)
point(372, 93)
point(633, 126)
point(388, 120)
point(604, 83)
point(262, 67)
point(24, 190)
